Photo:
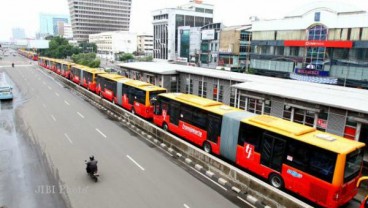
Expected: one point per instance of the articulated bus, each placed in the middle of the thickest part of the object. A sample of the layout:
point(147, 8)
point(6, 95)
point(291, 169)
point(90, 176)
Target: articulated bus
point(65, 68)
point(85, 76)
point(133, 95)
point(46, 62)
point(29, 54)
point(5, 88)
point(321, 167)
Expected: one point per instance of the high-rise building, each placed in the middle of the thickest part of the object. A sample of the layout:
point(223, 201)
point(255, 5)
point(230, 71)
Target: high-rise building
point(65, 30)
point(91, 17)
point(145, 44)
point(49, 23)
point(18, 33)
point(166, 23)
point(111, 44)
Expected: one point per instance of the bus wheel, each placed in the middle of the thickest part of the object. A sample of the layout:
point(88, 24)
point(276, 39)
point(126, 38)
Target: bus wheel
point(165, 127)
point(276, 181)
point(207, 147)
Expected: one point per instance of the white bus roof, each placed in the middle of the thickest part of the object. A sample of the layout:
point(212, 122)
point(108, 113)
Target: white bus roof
point(329, 95)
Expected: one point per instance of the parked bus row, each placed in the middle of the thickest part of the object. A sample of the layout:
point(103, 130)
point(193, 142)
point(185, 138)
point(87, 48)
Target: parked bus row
point(319, 166)
point(133, 95)
point(28, 54)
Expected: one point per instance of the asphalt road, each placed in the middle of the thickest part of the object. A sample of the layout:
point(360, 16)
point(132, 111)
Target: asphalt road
point(63, 130)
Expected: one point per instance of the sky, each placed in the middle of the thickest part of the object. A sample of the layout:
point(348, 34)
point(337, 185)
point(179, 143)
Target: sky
point(25, 13)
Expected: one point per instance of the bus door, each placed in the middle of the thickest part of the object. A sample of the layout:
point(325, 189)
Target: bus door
point(174, 112)
point(272, 152)
point(214, 131)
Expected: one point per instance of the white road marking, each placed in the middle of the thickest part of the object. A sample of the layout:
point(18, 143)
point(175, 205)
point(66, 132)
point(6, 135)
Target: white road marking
point(209, 179)
point(80, 115)
point(59, 84)
point(135, 162)
point(66, 102)
point(53, 118)
point(186, 206)
point(44, 83)
point(43, 105)
point(101, 133)
point(49, 87)
point(57, 94)
point(71, 142)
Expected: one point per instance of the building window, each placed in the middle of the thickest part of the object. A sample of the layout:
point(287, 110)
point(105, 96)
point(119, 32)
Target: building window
point(294, 51)
point(315, 55)
point(254, 106)
point(267, 107)
point(232, 97)
point(221, 94)
point(287, 112)
point(202, 89)
point(317, 16)
point(189, 86)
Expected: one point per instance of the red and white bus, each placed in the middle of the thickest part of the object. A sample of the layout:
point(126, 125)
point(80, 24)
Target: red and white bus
point(321, 167)
point(85, 76)
point(133, 95)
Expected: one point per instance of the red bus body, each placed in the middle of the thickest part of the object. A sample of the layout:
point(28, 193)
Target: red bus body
point(322, 182)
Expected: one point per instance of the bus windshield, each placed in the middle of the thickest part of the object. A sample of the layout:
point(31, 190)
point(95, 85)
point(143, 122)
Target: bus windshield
point(153, 94)
point(353, 164)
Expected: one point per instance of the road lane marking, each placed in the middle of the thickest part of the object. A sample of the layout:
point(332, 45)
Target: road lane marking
point(53, 118)
point(209, 179)
point(59, 84)
point(43, 105)
point(71, 142)
point(80, 115)
point(49, 87)
point(66, 102)
point(57, 94)
point(44, 83)
point(101, 133)
point(135, 162)
point(186, 206)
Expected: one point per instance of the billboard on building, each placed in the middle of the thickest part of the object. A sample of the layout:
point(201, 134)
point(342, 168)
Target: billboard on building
point(208, 34)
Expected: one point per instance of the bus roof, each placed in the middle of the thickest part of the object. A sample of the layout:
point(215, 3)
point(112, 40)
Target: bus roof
point(202, 103)
point(143, 85)
point(89, 69)
point(304, 133)
point(114, 77)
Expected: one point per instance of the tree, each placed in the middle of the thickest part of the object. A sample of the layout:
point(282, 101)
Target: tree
point(88, 47)
point(86, 59)
point(126, 56)
point(59, 48)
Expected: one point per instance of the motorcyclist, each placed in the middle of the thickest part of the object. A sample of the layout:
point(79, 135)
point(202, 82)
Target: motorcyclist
point(91, 165)
point(13, 65)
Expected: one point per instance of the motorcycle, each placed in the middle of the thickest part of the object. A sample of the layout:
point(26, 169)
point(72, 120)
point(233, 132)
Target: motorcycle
point(94, 175)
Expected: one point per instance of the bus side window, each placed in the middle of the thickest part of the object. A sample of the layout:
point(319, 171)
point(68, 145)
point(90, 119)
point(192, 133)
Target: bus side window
point(251, 135)
point(322, 164)
point(297, 155)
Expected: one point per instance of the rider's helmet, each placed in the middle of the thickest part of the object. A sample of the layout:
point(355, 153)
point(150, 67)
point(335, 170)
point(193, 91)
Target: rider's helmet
point(91, 157)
